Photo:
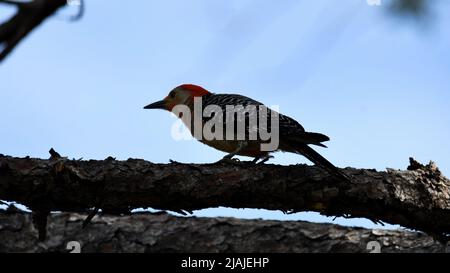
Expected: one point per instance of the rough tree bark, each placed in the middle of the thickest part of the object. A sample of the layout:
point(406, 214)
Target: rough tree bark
point(165, 233)
point(416, 199)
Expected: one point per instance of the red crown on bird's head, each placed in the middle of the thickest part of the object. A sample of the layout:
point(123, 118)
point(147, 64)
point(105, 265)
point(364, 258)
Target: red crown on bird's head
point(196, 90)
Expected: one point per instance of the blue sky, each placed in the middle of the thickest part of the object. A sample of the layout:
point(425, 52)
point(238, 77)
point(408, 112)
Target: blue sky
point(378, 86)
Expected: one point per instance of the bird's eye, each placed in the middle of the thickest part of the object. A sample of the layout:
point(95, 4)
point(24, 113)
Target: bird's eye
point(172, 94)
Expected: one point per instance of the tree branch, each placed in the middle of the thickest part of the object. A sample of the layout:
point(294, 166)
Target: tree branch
point(165, 233)
point(28, 16)
point(416, 199)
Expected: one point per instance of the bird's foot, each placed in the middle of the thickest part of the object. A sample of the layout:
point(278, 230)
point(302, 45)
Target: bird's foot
point(228, 160)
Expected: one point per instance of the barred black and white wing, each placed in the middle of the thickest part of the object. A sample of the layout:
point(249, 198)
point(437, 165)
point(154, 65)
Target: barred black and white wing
point(287, 127)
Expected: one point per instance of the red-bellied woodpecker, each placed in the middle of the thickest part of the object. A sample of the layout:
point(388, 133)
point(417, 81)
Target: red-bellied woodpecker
point(291, 136)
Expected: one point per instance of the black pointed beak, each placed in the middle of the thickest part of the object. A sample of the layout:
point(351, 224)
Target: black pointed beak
point(156, 105)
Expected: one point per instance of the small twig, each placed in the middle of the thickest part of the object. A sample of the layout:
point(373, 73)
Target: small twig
point(90, 216)
point(54, 154)
point(80, 13)
point(40, 222)
point(99, 202)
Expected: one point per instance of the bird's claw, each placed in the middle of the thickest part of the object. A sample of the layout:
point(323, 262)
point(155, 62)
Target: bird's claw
point(229, 160)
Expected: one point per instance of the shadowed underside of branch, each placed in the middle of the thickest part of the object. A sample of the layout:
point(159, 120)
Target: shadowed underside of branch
point(416, 199)
point(166, 233)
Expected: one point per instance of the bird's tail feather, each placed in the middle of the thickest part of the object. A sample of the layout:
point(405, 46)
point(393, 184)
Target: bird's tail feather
point(319, 160)
point(310, 138)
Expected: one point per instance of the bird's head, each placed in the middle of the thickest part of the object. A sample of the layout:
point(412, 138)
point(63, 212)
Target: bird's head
point(183, 94)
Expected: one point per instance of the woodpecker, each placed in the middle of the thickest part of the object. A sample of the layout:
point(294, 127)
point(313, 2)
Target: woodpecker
point(292, 136)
